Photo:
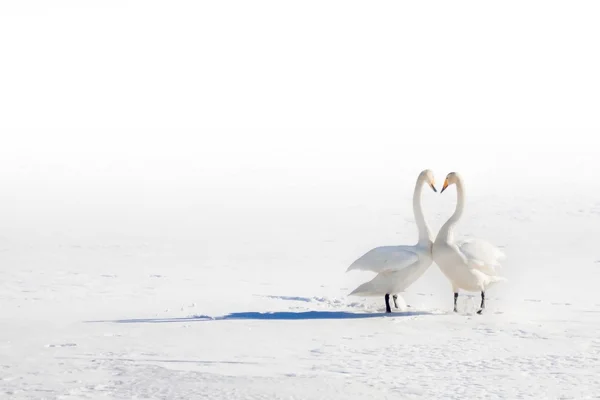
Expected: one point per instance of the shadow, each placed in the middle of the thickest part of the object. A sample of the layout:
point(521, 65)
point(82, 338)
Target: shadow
point(276, 316)
point(291, 298)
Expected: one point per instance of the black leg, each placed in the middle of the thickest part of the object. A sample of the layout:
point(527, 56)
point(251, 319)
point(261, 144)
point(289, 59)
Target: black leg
point(482, 302)
point(455, 299)
point(388, 309)
point(395, 297)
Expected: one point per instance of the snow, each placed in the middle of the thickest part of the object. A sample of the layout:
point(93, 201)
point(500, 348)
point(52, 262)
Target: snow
point(269, 317)
point(182, 188)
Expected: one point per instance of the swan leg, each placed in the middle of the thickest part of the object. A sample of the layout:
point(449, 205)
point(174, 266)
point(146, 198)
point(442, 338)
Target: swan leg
point(388, 309)
point(395, 297)
point(482, 302)
point(455, 300)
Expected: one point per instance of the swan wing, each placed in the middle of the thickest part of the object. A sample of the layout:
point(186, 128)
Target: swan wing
point(481, 255)
point(385, 258)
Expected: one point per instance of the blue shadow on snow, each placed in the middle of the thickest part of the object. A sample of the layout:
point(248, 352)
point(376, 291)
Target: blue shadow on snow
point(279, 315)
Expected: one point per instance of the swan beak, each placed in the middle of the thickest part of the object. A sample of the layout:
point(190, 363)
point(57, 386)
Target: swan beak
point(445, 186)
point(433, 187)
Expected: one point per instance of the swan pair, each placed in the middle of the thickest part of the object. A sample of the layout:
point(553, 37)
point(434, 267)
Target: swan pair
point(468, 264)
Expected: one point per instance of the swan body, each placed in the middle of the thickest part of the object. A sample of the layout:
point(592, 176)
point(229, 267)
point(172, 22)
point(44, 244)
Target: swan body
point(469, 264)
point(398, 267)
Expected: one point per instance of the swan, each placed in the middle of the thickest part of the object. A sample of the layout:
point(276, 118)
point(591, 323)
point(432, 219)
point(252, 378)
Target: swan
point(469, 264)
point(398, 267)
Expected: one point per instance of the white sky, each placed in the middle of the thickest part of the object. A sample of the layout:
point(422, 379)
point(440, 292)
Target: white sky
point(109, 103)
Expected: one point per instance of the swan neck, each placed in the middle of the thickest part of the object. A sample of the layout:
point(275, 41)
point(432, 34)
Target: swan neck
point(423, 228)
point(448, 228)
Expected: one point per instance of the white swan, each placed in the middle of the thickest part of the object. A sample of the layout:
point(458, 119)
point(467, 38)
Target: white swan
point(398, 267)
point(469, 264)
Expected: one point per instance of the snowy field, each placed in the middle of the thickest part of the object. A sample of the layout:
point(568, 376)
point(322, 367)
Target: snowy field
point(183, 186)
point(256, 307)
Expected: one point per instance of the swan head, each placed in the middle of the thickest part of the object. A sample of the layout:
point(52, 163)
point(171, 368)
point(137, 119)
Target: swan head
point(427, 176)
point(451, 179)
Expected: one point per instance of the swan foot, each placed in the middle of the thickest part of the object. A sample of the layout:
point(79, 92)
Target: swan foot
point(388, 309)
point(455, 300)
point(482, 303)
point(395, 297)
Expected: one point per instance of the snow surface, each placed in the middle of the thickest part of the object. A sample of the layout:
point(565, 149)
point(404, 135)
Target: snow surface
point(268, 316)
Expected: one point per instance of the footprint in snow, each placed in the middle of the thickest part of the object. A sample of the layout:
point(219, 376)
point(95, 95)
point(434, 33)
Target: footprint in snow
point(62, 345)
point(527, 335)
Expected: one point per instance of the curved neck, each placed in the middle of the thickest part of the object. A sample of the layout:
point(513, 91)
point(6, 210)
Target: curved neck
point(448, 227)
point(424, 232)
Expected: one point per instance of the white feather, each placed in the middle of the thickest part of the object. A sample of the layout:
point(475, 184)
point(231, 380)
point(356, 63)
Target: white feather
point(385, 258)
point(482, 255)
